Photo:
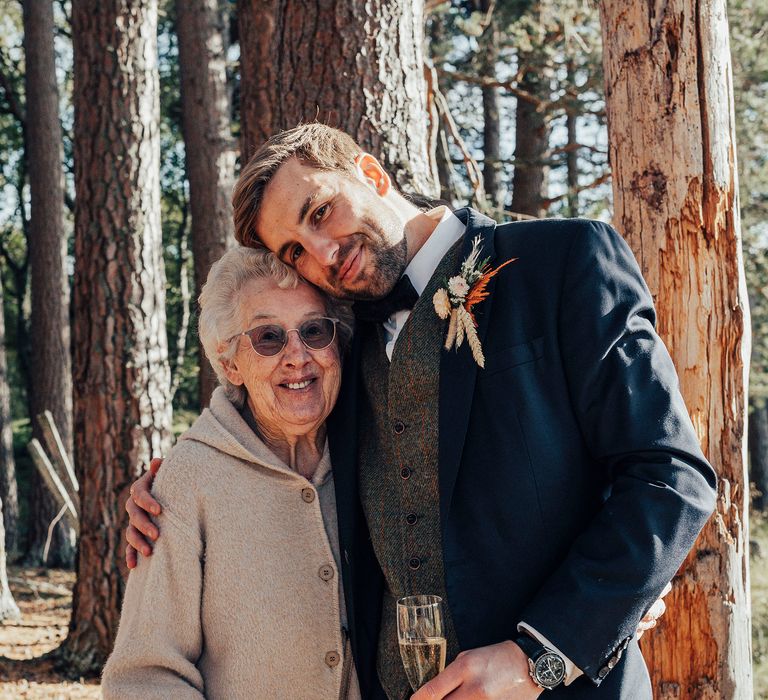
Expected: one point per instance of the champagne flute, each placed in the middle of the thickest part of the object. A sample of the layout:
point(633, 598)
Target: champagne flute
point(421, 637)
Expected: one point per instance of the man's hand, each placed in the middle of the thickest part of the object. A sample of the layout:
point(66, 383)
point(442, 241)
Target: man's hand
point(497, 672)
point(138, 504)
point(656, 611)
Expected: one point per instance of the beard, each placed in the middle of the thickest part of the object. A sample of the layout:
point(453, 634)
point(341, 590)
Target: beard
point(385, 265)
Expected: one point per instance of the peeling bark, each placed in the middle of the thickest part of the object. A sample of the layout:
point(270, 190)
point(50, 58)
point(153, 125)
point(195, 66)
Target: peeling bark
point(672, 152)
point(353, 65)
point(121, 374)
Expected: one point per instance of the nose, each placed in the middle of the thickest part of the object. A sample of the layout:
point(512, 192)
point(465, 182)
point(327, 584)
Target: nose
point(324, 250)
point(295, 354)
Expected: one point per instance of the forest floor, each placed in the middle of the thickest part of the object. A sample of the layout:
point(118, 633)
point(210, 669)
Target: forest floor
point(44, 597)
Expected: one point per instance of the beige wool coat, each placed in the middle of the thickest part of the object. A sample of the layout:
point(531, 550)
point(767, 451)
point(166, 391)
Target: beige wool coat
point(241, 598)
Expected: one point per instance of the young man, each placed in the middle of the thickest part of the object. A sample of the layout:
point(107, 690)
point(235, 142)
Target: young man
point(543, 476)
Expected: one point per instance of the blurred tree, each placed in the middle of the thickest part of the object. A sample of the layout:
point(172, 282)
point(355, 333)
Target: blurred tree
point(210, 158)
point(50, 387)
point(121, 374)
point(357, 66)
point(8, 607)
point(748, 21)
point(672, 149)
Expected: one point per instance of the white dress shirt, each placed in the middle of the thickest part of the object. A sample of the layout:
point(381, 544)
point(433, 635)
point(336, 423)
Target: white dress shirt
point(449, 229)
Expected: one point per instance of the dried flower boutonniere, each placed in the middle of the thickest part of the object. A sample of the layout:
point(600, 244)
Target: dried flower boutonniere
point(460, 295)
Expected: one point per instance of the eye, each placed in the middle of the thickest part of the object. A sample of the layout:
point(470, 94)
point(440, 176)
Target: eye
point(312, 329)
point(268, 334)
point(295, 253)
point(320, 213)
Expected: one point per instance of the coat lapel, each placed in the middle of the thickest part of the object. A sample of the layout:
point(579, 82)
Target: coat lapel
point(458, 370)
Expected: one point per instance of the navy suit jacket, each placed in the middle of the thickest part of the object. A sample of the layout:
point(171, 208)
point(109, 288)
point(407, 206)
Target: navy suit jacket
point(572, 484)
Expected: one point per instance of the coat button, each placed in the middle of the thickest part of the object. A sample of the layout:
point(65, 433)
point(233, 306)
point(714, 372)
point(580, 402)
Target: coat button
point(332, 659)
point(603, 672)
point(405, 473)
point(326, 572)
point(411, 518)
point(307, 495)
point(414, 563)
point(612, 662)
point(399, 427)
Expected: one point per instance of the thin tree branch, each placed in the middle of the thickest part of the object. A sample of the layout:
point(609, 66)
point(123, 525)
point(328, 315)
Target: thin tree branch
point(14, 107)
point(546, 203)
point(509, 86)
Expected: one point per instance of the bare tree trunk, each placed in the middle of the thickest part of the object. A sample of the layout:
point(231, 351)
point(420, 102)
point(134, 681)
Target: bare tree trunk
point(529, 181)
point(50, 364)
point(489, 44)
point(572, 154)
point(673, 156)
point(9, 499)
point(208, 143)
point(121, 374)
point(758, 453)
point(353, 65)
point(8, 608)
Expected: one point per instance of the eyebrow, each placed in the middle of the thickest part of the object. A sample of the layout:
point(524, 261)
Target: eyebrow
point(262, 317)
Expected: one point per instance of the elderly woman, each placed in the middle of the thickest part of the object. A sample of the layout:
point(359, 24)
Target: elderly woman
point(242, 598)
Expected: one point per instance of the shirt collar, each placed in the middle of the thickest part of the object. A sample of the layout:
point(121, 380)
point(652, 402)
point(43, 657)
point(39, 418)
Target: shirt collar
point(449, 229)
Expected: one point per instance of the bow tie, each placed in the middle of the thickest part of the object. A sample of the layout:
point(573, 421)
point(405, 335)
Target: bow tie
point(402, 296)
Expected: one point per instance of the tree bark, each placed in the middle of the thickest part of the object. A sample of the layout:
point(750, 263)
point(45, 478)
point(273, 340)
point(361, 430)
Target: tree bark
point(353, 65)
point(492, 179)
point(8, 608)
point(9, 499)
point(210, 159)
point(758, 453)
point(121, 373)
point(673, 156)
point(529, 180)
point(50, 363)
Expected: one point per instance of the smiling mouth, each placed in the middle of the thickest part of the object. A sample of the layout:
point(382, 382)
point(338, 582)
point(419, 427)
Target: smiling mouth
point(298, 386)
point(349, 263)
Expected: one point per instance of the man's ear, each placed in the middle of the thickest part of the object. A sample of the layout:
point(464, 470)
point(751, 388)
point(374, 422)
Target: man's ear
point(370, 171)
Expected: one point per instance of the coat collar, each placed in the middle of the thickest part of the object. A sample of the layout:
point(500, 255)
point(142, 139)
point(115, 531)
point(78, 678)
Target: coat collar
point(458, 370)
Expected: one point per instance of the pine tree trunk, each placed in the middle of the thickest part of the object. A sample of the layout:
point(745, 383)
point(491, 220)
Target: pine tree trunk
point(354, 65)
point(210, 159)
point(9, 499)
point(50, 363)
point(492, 179)
point(529, 180)
point(121, 374)
point(758, 453)
point(8, 608)
point(673, 158)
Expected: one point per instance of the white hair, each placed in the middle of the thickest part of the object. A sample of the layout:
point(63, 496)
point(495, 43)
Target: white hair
point(220, 305)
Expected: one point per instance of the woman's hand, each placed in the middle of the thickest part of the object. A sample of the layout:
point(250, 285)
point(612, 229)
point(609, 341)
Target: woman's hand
point(138, 504)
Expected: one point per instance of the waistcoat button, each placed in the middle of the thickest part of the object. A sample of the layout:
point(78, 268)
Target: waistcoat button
point(332, 659)
point(399, 427)
point(325, 572)
point(411, 518)
point(414, 563)
point(405, 473)
point(307, 495)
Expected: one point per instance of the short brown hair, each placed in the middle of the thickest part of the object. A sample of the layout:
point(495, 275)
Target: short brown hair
point(317, 145)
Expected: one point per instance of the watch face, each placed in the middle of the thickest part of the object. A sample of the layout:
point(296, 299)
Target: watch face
point(550, 670)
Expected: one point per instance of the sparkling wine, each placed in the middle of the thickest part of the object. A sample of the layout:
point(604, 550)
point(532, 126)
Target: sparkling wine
point(423, 659)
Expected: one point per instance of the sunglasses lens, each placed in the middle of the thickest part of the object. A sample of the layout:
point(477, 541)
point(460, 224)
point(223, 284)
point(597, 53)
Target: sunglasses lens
point(267, 340)
point(318, 333)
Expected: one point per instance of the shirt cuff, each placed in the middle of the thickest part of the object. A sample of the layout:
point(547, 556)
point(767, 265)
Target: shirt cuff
point(572, 672)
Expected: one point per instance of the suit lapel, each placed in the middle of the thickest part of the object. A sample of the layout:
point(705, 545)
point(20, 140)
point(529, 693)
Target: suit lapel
point(458, 370)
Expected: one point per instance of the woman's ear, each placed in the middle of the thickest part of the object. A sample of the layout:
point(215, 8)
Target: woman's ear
point(232, 373)
point(370, 171)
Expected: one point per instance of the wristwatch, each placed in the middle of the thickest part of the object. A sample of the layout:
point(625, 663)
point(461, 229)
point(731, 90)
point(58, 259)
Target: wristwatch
point(546, 667)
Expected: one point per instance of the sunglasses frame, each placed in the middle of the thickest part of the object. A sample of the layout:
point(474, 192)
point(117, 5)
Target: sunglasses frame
point(246, 333)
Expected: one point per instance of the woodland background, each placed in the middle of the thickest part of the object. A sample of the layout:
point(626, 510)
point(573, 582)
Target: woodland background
point(122, 128)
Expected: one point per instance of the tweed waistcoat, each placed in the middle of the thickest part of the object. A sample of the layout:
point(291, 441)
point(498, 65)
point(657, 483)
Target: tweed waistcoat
point(399, 467)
